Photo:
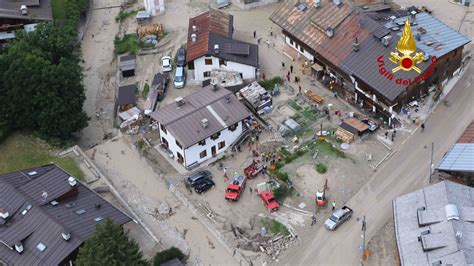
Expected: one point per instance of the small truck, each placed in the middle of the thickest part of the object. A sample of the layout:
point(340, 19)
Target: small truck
point(254, 169)
point(235, 188)
point(338, 217)
point(269, 201)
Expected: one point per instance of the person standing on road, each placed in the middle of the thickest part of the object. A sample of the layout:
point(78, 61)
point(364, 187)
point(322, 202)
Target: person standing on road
point(386, 134)
point(254, 34)
point(225, 174)
point(333, 203)
point(422, 127)
point(313, 219)
point(291, 69)
point(282, 64)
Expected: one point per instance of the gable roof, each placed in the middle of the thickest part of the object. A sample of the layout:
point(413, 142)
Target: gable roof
point(214, 21)
point(43, 222)
point(468, 135)
point(220, 107)
point(424, 230)
point(37, 10)
point(233, 50)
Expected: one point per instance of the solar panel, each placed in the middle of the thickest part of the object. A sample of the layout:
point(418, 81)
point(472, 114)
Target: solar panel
point(238, 48)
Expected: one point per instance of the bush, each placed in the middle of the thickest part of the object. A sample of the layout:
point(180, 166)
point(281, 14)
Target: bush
point(128, 44)
point(282, 176)
point(282, 193)
point(146, 89)
point(278, 165)
point(167, 255)
point(293, 156)
point(123, 15)
point(270, 83)
point(285, 152)
point(321, 168)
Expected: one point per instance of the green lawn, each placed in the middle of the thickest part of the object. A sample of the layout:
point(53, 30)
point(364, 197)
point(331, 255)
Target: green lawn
point(20, 152)
point(326, 148)
point(274, 227)
point(58, 8)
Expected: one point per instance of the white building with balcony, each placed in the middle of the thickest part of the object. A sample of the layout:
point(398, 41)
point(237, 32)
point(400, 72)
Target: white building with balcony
point(201, 125)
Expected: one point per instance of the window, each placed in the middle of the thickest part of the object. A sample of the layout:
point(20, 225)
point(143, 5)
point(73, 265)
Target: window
point(202, 142)
point(233, 127)
point(455, 52)
point(40, 247)
point(222, 62)
point(301, 49)
point(221, 144)
point(70, 204)
point(291, 42)
point(163, 129)
point(98, 219)
point(179, 145)
point(207, 74)
point(80, 211)
point(215, 136)
point(203, 154)
point(208, 61)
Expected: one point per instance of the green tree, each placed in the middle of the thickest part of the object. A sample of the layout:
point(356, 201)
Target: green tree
point(110, 246)
point(167, 255)
point(41, 83)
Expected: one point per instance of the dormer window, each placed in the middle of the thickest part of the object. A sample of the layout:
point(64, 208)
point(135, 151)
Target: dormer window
point(215, 136)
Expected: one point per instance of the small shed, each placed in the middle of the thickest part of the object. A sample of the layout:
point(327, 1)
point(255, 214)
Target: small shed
point(126, 97)
point(143, 16)
point(160, 83)
point(344, 135)
point(355, 126)
point(127, 65)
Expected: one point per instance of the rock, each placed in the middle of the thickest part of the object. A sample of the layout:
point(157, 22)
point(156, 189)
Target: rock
point(164, 208)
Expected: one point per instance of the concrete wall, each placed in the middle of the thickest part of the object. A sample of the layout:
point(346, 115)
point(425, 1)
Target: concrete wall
point(248, 72)
point(192, 153)
point(297, 47)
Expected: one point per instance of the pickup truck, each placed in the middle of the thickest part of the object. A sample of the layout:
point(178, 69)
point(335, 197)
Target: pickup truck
point(269, 201)
point(338, 217)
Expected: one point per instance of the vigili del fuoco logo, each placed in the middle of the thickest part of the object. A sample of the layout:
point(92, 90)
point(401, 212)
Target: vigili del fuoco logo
point(404, 60)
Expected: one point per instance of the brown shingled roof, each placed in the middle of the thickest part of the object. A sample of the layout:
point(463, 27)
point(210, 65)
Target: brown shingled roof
point(214, 21)
point(468, 135)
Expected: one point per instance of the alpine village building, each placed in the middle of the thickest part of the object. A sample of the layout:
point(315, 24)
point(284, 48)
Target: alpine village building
point(210, 46)
point(201, 125)
point(350, 48)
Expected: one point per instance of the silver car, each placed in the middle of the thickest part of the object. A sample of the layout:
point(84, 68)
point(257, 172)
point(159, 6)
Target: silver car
point(338, 217)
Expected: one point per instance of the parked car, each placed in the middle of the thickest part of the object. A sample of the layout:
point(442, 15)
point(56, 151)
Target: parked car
point(203, 185)
point(223, 3)
point(181, 57)
point(179, 78)
point(194, 178)
point(338, 218)
point(166, 64)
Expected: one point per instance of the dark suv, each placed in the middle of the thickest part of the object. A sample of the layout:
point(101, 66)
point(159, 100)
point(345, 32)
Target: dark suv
point(194, 178)
point(181, 57)
point(203, 185)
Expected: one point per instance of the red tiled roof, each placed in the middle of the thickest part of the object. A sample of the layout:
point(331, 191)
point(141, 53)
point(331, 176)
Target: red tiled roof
point(468, 135)
point(214, 21)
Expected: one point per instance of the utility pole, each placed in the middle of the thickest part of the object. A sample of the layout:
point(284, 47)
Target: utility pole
point(364, 228)
point(431, 162)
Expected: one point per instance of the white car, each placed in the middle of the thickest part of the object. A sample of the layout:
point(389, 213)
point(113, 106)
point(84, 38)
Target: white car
point(166, 64)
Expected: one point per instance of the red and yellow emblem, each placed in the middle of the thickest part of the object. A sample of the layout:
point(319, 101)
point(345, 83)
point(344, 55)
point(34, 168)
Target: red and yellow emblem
point(406, 46)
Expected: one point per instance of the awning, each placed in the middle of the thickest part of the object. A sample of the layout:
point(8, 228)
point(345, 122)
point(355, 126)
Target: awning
point(317, 67)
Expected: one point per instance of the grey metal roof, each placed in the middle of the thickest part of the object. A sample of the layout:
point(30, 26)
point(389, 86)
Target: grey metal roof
point(43, 222)
point(233, 50)
point(460, 158)
point(37, 10)
point(127, 62)
point(184, 122)
point(448, 241)
point(126, 94)
point(439, 38)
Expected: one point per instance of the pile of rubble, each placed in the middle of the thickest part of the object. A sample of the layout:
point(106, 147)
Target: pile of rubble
point(276, 246)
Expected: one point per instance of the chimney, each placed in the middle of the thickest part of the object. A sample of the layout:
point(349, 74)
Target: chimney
point(193, 37)
point(179, 101)
point(386, 40)
point(72, 181)
point(317, 3)
point(97, 205)
point(418, 36)
point(329, 32)
point(216, 48)
point(19, 247)
point(4, 214)
point(413, 15)
point(66, 235)
point(355, 45)
point(392, 19)
point(204, 123)
point(24, 10)
point(338, 3)
point(44, 195)
point(195, 29)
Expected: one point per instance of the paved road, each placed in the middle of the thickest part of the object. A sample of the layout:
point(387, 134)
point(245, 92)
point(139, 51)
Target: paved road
point(406, 171)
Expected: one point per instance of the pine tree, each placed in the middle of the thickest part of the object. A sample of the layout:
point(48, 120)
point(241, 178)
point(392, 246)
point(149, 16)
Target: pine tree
point(110, 246)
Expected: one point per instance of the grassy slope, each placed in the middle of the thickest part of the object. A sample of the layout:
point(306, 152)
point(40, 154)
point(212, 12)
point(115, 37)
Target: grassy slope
point(20, 152)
